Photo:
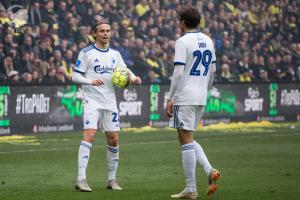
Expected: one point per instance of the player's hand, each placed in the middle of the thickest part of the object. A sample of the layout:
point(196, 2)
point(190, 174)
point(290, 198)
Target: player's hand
point(169, 108)
point(96, 82)
point(137, 80)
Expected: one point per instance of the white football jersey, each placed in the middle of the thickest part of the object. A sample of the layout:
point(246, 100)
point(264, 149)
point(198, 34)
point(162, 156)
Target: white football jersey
point(196, 52)
point(95, 63)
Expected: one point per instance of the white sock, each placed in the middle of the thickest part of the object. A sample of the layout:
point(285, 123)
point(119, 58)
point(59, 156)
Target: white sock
point(112, 161)
point(83, 159)
point(189, 166)
point(202, 159)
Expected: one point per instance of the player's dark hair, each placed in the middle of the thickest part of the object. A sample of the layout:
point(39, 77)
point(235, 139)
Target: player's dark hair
point(94, 28)
point(190, 16)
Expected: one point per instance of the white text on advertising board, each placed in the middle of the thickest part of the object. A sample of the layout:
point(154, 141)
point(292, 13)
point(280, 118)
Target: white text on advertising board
point(130, 106)
point(35, 104)
point(254, 103)
point(291, 98)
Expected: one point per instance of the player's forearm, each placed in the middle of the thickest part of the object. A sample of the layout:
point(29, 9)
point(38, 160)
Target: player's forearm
point(79, 78)
point(178, 71)
point(132, 78)
point(211, 81)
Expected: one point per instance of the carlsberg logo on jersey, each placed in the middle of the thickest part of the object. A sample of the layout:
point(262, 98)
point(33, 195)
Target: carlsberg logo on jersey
point(103, 69)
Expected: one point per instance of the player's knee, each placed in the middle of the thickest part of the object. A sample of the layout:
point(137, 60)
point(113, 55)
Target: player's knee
point(89, 135)
point(113, 140)
point(185, 136)
point(88, 138)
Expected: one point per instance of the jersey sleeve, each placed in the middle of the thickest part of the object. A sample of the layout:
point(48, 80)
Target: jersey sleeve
point(213, 59)
point(180, 53)
point(81, 63)
point(120, 61)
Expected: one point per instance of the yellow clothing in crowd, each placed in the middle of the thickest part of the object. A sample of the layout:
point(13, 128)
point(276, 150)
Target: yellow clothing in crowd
point(274, 9)
point(4, 20)
point(252, 18)
point(152, 63)
point(245, 78)
point(235, 11)
point(68, 71)
point(141, 9)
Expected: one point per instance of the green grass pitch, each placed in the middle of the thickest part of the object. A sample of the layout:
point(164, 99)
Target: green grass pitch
point(261, 164)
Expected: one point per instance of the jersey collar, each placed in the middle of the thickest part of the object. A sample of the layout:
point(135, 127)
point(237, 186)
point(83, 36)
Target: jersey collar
point(101, 50)
point(196, 31)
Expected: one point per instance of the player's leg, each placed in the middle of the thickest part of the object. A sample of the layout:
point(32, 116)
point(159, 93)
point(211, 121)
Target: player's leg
point(201, 158)
point(112, 160)
point(213, 174)
point(183, 116)
point(200, 155)
point(111, 127)
point(90, 120)
point(84, 152)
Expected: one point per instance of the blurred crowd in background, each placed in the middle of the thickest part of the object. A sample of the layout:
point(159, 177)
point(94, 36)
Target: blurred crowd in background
point(255, 40)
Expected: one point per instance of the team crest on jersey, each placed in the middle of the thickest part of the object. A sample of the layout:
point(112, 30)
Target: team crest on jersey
point(78, 62)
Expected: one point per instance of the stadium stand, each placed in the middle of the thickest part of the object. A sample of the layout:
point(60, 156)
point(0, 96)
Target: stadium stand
point(255, 40)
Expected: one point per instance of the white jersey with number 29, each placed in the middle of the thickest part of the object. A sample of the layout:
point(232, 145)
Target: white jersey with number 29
point(196, 52)
point(94, 64)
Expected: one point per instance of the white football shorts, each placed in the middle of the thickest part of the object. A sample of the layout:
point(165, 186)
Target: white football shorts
point(106, 119)
point(186, 117)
